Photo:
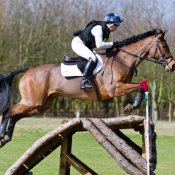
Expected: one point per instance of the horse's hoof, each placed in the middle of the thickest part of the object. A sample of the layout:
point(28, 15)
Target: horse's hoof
point(2, 143)
point(7, 138)
point(128, 108)
point(2, 136)
point(28, 173)
point(64, 121)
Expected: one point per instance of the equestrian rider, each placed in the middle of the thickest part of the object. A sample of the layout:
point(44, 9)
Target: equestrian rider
point(94, 35)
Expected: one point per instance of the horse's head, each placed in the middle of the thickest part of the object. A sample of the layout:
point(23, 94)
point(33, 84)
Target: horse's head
point(160, 51)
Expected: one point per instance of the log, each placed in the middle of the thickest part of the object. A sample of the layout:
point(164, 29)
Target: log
point(79, 165)
point(119, 158)
point(130, 121)
point(39, 144)
point(121, 145)
point(129, 141)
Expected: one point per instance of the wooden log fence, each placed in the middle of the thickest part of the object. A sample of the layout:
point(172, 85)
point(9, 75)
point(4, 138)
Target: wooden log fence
point(107, 132)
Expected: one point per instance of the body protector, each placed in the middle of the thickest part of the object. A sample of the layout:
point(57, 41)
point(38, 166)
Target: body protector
point(87, 37)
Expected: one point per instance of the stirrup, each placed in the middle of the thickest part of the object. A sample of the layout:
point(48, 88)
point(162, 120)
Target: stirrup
point(85, 84)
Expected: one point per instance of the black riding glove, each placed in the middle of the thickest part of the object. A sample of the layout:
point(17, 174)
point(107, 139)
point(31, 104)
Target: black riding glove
point(116, 44)
point(109, 52)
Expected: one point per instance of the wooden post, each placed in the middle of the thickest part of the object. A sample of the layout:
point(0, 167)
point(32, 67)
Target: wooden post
point(145, 135)
point(66, 145)
point(67, 159)
point(143, 144)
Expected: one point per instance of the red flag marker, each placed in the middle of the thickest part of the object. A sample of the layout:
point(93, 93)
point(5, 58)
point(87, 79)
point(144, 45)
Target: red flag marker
point(143, 84)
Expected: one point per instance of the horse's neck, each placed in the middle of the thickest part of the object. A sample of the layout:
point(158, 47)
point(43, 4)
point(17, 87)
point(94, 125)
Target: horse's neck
point(140, 49)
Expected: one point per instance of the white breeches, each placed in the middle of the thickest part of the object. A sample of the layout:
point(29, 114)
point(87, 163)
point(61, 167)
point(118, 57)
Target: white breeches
point(80, 49)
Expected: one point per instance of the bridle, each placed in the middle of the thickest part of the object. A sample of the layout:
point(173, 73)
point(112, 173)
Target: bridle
point(162, 61)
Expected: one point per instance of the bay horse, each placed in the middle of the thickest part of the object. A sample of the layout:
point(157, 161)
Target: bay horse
point(39, 86)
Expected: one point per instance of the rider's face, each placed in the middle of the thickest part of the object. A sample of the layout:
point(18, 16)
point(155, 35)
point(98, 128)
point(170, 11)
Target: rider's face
point(113, 28)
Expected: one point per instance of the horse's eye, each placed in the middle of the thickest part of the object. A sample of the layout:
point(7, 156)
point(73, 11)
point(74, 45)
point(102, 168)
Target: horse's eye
point(164, 46)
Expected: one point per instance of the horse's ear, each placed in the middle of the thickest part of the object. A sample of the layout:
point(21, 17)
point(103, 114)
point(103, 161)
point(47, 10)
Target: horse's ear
point(164, 33)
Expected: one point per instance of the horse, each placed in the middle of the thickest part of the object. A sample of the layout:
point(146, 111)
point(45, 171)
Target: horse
point(39, 86)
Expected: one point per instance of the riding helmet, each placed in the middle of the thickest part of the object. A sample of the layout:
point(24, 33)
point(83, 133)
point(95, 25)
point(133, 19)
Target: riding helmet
point(113, 18)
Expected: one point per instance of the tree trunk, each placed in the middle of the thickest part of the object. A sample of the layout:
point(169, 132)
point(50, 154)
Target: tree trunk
point(169, 111)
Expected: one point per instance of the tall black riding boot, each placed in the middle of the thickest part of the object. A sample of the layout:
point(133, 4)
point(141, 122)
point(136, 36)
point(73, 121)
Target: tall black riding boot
point(87, 70)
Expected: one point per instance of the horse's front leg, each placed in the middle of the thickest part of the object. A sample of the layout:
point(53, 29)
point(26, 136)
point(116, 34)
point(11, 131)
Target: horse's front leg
point(126, 88)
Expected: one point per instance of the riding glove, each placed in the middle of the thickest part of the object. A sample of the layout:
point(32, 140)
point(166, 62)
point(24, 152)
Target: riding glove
point(116, 44)
point(109, 52)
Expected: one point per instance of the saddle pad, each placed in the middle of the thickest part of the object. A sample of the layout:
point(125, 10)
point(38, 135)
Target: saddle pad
point(73, 71)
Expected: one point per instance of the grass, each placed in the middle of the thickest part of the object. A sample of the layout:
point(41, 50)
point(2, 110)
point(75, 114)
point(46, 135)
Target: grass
point(85, 147)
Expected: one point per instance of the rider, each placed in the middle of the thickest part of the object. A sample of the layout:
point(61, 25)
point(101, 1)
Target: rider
point(94, 35)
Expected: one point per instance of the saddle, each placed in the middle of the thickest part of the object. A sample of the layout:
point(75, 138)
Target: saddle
point(79, 61)
point(67, 58)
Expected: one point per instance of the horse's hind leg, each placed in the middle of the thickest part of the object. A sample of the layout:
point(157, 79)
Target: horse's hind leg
point(3, 125)
point(8, 135)
point(18, 111)
point(12, 111)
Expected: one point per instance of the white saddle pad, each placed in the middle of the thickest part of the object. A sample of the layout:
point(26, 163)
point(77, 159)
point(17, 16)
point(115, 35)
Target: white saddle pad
point(73, 71)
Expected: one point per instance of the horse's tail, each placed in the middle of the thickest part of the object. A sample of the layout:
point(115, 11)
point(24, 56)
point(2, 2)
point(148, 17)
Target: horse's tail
point(5, 88)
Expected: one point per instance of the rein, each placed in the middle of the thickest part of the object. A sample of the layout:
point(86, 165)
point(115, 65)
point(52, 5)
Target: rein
point(139, 57)
point(126, 66)
point(132, 72)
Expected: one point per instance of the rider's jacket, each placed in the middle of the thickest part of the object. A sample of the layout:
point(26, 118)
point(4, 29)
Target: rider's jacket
point(87, 37)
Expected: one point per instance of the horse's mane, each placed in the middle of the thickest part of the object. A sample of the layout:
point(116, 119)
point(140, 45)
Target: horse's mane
point(134, 38)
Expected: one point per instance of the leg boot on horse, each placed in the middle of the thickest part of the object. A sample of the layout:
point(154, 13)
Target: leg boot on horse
point(8, 135)
point(137, 101)
point(6, 129)
point(3, 125)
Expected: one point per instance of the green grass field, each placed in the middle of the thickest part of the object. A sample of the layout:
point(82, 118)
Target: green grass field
point(85, 147)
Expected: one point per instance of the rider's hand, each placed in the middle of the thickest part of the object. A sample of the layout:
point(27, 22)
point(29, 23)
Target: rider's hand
point(116, 44)
point(109, 52)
